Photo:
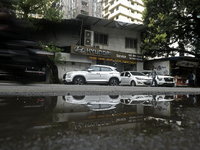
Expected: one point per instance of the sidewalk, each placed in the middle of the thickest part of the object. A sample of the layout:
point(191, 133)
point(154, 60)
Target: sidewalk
point(16, 89)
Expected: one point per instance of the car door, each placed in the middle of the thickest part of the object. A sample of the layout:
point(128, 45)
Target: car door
point(94, 74)
point(122, 77)
point(126, 78)
point(105, 74)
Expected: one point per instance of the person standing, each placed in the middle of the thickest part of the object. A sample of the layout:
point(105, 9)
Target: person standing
point(154, 74)
point(191, 79)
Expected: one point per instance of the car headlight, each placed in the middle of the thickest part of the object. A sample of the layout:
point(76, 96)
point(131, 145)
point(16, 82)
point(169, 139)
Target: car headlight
point(69, 75)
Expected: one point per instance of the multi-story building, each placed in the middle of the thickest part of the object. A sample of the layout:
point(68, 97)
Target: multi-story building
point(123, 10)
point(71, 8)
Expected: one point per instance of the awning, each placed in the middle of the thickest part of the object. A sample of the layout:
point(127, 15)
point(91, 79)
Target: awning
point(89, 20)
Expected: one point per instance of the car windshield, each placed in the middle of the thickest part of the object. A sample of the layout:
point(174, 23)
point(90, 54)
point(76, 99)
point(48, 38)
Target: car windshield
point(160, 73)
point(137, 74)
point(85, 69)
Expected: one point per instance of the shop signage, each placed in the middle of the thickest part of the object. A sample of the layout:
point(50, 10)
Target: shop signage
point(95, 52)
point(91, 51)
point(100, 121)
point(187, 63)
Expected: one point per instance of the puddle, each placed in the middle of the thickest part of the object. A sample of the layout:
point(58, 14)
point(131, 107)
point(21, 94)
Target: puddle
point(112, 120)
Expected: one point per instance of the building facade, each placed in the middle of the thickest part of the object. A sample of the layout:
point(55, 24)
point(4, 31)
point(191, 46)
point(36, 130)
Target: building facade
point(105, 42)
point(88, 40)
point(123, 10)
point(71, 8)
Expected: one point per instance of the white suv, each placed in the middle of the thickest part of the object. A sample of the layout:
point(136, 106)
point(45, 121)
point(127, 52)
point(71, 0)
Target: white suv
point(99, 74)
point(161, 79)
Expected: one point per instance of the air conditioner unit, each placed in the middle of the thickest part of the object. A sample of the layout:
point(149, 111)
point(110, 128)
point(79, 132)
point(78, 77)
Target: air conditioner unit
point(89, 38)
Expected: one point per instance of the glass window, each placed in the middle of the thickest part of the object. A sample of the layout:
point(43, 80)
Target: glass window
point(84, 3)
point(137, 73)
point(135, 43)
point(106, 10)
point(95, 68)
point(100, 38)
point(126, 74)
point(130, 43)
point(106, 2)
point(122, 74)
point(105, 69)
point(84, 12)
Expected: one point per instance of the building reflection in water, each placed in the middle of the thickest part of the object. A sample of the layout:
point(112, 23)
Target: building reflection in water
point(93, 113)
point(109, 112)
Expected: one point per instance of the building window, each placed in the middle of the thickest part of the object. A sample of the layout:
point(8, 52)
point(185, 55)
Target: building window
point(106, 2)
point(106, 10)
point(111, 3)
point(112, 11)
point(84, 3)
point(117, 17)
point(130, 43)
point(100, 38)
point(117, 8)
point(84, 12)
point(135, 43)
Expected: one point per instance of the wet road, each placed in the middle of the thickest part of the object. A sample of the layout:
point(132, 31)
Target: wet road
point(61, 89)
point(92, 117)
point(109, 122)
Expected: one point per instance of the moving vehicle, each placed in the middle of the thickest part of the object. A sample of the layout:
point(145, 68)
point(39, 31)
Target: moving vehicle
point(98, 74)
point(134, 78)
point(17, 52)
point(162, 80)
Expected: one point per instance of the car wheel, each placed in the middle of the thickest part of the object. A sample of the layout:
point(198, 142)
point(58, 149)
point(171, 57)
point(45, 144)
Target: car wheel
point(133, 83)
point(79, 81)
point(114, 82)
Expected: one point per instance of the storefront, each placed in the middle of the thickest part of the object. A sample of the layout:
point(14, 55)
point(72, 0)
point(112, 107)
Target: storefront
point(122, 61)
point(179, 67)
point(182, 68)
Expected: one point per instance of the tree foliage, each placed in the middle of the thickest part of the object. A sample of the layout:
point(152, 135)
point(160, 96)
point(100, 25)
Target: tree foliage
point(173, 26)
point(45, 9)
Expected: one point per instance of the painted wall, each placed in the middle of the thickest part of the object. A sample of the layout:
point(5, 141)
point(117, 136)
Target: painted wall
point(116, 39)
point(140, 66)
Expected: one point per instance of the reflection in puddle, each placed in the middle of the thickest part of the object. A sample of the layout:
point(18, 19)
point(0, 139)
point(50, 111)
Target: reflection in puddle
point(97, 113)
point(82, 122)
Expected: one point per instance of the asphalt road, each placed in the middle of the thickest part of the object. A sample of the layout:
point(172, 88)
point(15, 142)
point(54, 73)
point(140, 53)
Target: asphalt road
point(15, 89)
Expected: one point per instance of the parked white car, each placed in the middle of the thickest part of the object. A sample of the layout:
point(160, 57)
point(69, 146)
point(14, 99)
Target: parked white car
point(134, 78)
point(146, 100)
point(162, 80)
point(98, 74)
point(94, 102)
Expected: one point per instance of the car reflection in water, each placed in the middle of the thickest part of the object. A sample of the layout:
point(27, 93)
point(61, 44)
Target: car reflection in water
point(51, 121)
point(160, 104)
point(102, 111)
point(95, 103)
point(90, 112)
